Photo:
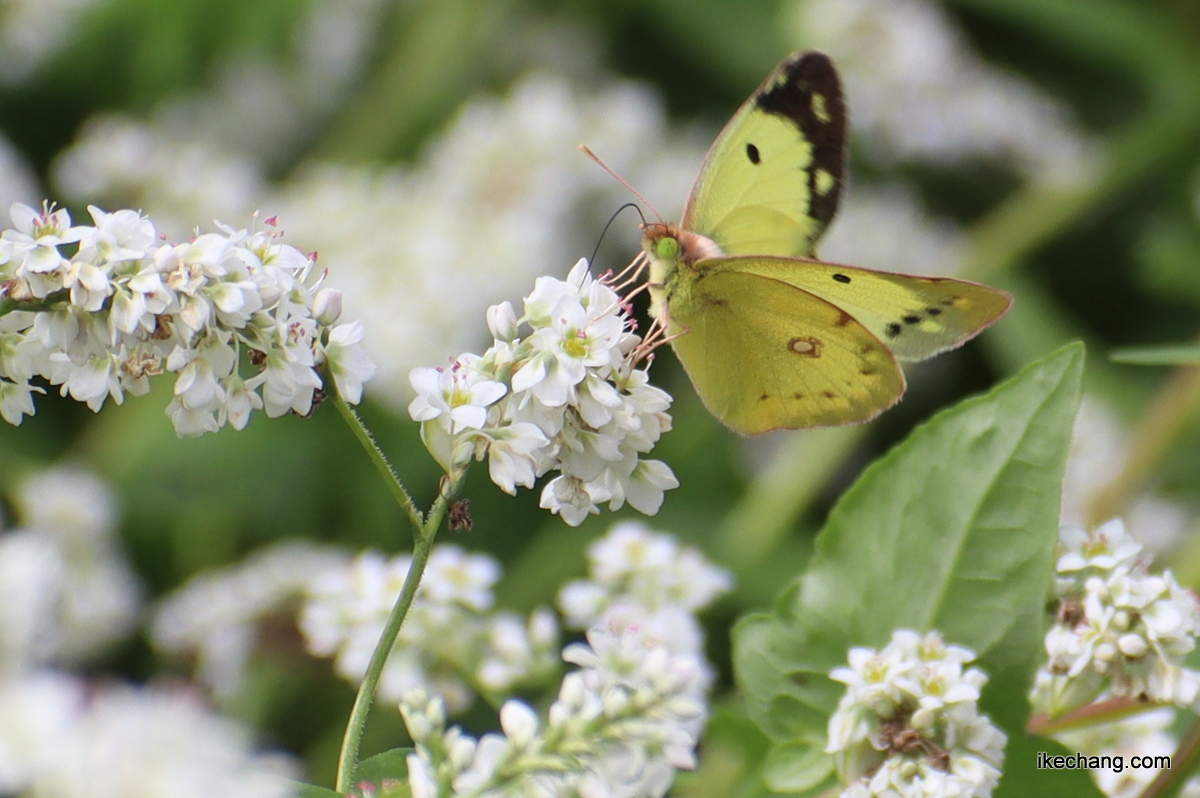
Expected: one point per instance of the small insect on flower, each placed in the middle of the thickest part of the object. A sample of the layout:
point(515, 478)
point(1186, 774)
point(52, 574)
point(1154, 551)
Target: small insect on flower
point(909, 722)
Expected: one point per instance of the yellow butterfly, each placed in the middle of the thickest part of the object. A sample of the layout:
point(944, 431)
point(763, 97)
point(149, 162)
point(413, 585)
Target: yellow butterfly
point(771, 337)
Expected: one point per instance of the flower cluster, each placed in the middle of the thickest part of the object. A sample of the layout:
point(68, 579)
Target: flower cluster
point(216, 615)
point(909, 722)
point(63, 738)
point(622, 725)
point(1119, 628)
point(564, 397)
point(100, 309)
point(498, 169)
point(67, 591)
point(647, 576)
point(489, 652)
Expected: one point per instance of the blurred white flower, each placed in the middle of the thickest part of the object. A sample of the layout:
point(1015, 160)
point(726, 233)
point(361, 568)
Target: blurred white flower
point(1099, 450)
point(67, 592)
point(119, 161)
point(882, 226)
point(62, 740)
point(489, 652)
point(38, 710)
point(918, 90)
point(645, 579)
point(18, 183)
point(34, 31)
point(214, 616)
point(1146, 734)
point(502, 196)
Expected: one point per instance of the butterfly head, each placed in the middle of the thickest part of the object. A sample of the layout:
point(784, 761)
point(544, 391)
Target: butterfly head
point(670, 245)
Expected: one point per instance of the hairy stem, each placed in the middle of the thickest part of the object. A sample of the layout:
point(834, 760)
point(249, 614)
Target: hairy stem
point(423, 545)
point(380, 460)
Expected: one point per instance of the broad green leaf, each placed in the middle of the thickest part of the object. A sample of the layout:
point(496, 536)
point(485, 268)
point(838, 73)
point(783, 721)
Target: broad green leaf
point(1024, 779)
point(313, 791)
point(953, 530)
point(797, 766)
point(731, 761)
point(390, 765)
point(1164, 355)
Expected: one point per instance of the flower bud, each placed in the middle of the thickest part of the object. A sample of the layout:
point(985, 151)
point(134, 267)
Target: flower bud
point(327, 306)
point(502, 321)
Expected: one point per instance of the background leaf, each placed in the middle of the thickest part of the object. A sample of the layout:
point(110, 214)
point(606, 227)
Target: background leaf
point(953, 530)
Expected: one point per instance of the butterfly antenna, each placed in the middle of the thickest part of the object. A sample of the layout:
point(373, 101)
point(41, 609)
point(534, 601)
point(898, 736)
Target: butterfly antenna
point(612, 219)
point(621, 180)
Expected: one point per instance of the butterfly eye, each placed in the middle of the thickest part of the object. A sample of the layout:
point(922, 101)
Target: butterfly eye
point(667, 248)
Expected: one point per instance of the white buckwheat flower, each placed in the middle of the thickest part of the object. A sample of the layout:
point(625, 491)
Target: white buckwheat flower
point(491, 653)
point(215, 615)
point(564, 397)
point(909, 722)
point(114, 740)
point(99, 309)
point(1119, 628)
point(67, 591)
point(623, 724)
point(645, 578)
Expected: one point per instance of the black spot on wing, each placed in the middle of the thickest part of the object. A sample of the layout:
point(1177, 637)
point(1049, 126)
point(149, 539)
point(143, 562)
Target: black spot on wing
point(841, 278)
point(893, 330)
point(912, 318)
point(791, 92)
point(934, 311)
point(752, 154)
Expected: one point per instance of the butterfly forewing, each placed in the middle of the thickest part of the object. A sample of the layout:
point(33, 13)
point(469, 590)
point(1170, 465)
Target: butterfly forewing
point(917, 317)
point(772, 180)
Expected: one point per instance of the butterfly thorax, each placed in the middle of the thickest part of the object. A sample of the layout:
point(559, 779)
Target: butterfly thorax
point(673, 253)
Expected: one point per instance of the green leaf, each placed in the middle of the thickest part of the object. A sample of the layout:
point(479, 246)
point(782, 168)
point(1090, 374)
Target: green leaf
point(1164, 355)
point(1023, 779)
point(796, 766)
point(390, 765)
point(953, 530)
point(313, 791)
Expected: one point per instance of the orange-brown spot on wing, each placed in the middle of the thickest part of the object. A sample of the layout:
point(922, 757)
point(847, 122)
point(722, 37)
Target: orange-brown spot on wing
point(808, 347)
point(844, 319)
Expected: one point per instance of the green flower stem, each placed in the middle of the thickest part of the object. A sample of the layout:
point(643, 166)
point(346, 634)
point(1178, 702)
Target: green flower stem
point(1170, 780)
point(1101, 712)
point(380, 460)
point(425, 528)
point(1157, 430)
point(423, 545)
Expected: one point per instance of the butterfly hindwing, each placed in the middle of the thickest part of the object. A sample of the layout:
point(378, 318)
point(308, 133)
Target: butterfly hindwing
point(766, 355)
point(916, 317)
point(772, 180)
